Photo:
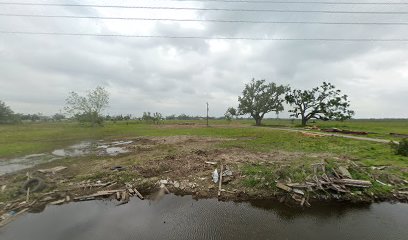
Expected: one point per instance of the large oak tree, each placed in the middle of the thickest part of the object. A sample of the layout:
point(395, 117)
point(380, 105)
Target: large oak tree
point(323, 102)
point(260, 97)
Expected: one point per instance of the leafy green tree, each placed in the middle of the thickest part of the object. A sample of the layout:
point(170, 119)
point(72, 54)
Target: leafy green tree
point(88, 108)
point(157, 117)
point(230, 113)
point(259, 98)
point(6, 114)
point(147, 117)
point(323, 102)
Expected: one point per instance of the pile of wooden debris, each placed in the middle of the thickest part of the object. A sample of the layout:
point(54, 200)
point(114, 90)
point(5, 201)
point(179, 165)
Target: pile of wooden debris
point(340, 182)
point(12, 210)
point(337, 130)
point(122, 195)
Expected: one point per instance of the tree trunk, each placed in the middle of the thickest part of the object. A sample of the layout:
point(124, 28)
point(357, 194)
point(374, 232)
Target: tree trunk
point(258, 121)
point(304, 121)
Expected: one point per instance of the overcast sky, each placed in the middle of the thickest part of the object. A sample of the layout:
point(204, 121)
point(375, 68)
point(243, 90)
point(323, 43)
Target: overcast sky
point(181, 75)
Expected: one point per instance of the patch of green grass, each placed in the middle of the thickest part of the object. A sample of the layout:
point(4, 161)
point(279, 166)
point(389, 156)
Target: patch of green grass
point(93, 177)
point(377, 128)
point(258, 176)
point(379, 189)
point(401, 148)
point(265, 176)
point(251, 182)
point(17, 140)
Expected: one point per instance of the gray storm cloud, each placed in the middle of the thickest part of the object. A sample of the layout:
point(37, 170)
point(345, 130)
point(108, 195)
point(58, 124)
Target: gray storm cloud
point(181, 75)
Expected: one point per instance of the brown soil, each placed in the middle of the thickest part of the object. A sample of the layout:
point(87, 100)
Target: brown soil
point(182, 162)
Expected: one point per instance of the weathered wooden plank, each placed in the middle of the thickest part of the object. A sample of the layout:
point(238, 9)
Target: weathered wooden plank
point(353, 182)
point(58, 202)
point(220, 182)
point(138, 194)
point(283, 187)
point(298, 191)
point(98, 194)
point(344, 172)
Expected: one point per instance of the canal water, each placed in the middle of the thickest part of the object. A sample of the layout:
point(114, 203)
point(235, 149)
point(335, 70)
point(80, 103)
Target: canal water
point(176, 217)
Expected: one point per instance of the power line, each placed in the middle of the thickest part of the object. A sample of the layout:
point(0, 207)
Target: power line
point(203, 9)
point(211, 38)
point(294, 2)
point(202, 20)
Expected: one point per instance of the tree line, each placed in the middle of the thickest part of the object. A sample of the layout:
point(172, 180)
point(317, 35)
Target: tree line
point(8, 116)
point(258, 98)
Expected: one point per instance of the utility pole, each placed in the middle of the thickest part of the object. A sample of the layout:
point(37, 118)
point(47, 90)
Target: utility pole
point(207, 114)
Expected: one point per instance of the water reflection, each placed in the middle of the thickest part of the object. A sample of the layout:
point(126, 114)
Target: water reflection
point(184, 218)
point(321, 209)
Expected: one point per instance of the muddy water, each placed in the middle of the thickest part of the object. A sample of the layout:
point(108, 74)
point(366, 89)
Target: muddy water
point(85, 148)
point(16, 164)
point(184, 218)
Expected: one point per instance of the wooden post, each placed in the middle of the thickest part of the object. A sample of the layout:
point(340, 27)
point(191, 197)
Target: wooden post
point(28, 189)
point(207, 114)
point(220, 183)
point(28, 195)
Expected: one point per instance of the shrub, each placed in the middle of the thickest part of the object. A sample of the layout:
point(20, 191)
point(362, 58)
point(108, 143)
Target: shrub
point(401, 148)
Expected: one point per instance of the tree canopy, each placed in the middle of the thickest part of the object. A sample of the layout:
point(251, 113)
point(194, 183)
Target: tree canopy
point(6, 114)
point(230, 113)
point(155, 118)
point(260, 97)
point(323, 102)
point(88, 108)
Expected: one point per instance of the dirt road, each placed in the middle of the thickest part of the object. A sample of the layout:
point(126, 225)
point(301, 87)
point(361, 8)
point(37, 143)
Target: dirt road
point(378, 140)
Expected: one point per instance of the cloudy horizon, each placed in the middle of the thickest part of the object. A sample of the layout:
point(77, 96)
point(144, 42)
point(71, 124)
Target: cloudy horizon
point(175, 76)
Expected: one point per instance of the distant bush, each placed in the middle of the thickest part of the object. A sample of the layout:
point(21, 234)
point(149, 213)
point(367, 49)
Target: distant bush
point(156, 118)
point(185, 117)
point(401, 148)
point(118, 118)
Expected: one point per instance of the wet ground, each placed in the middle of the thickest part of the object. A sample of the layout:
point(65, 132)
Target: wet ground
point(184, 218)
point(85, 148)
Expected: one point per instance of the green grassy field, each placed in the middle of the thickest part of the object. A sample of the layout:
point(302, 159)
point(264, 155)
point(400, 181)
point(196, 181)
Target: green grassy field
point(30, 138)
point(376, 128)
point(21, 139)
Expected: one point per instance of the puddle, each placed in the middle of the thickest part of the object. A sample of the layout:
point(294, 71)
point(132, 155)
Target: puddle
point(85, 148)
point(113, 151)
point(77, 150)
point(176, 217)
point(16, 164)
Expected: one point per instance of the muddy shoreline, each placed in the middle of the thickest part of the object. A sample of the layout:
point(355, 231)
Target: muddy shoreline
point(39, 201)
point(148, 189)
